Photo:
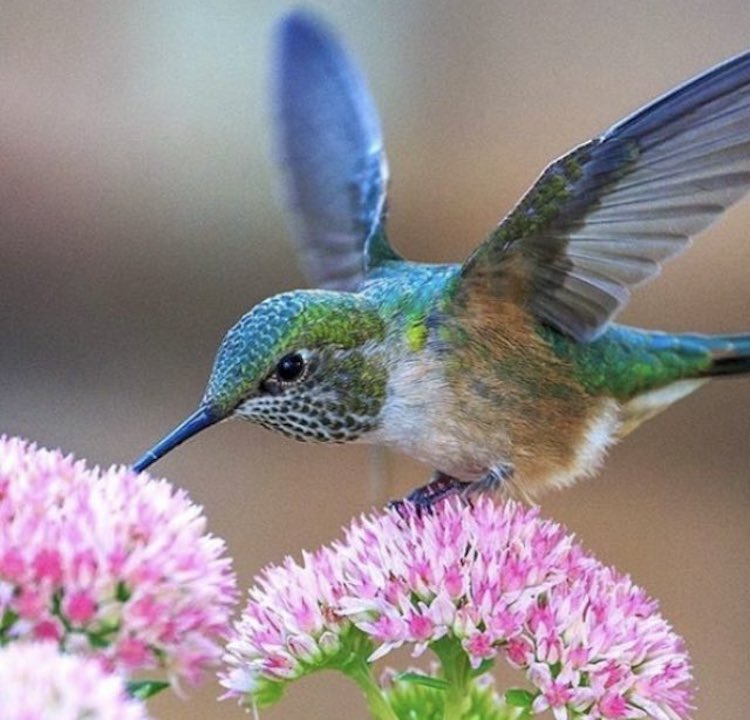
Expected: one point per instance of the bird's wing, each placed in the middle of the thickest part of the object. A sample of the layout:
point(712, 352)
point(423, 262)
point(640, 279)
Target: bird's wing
point(605, 216)
point(330, 147)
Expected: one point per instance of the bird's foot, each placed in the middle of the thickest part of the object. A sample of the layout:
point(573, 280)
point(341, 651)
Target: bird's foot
point(424, 498)
point(441, 486)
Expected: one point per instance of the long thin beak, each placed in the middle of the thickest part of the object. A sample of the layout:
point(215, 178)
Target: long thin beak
point(199, 420)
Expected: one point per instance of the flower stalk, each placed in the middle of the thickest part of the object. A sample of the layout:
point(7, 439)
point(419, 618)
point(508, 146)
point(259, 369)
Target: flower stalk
point(360, 672)
point(456, 671)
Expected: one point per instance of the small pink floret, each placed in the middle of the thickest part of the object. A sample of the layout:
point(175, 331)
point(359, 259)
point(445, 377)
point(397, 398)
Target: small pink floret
point(479, 646)
point(420, 628)
point(613, 706)
point(47, 565)
point(48, 630)
point(132, 653)
point(80, 608)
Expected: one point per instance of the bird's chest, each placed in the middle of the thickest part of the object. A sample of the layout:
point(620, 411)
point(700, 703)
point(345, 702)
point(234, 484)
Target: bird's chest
point(415, 418)
point(428, 416)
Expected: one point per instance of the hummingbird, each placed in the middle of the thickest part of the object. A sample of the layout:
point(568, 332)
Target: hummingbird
point(505, 372)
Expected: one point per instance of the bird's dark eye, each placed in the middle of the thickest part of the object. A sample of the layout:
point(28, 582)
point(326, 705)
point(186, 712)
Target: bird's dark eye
point(290, 368)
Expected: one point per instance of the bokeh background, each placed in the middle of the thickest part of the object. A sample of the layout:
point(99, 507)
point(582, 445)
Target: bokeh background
point(139, 218)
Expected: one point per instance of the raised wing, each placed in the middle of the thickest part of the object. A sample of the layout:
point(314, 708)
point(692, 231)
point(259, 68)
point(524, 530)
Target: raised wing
point(604, 217)
point(331, 150)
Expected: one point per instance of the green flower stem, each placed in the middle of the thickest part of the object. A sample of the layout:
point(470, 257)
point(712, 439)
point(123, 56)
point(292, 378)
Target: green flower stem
point(359, 671)
point(457, 672)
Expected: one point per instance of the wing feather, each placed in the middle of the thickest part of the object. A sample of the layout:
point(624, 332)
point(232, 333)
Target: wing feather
point(330, 148)
point(604, 217)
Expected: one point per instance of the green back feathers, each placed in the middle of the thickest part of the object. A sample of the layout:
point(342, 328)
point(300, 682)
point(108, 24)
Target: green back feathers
point(408, 293)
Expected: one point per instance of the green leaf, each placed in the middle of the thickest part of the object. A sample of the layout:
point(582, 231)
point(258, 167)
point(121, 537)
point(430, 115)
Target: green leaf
point(144, 689)
point(426, 680)
point(267, 693)
point(517, 697)
point(9, 619)
point(102, 637)
point(122, 592)
point(483, 668)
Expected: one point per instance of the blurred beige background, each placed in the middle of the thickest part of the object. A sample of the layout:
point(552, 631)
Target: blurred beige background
point(138, 220)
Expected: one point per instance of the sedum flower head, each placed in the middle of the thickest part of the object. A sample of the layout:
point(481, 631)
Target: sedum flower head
point(485, 580)
point(37, 682)
point(109, 562)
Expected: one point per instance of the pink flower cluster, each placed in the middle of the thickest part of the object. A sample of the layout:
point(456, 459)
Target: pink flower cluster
point(38, 683)
point(496, 578)
point(109, 562)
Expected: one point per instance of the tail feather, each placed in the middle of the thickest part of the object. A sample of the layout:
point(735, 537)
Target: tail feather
point(708, 356)
point(730, 355)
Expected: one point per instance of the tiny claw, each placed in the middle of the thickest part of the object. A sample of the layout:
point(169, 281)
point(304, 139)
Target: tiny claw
point(401, 507)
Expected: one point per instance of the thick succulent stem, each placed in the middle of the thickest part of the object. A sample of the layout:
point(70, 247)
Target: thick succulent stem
point(457, 673)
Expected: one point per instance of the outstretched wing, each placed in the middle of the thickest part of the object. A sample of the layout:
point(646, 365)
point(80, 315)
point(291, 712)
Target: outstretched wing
point(604, 217)
point(331, 150)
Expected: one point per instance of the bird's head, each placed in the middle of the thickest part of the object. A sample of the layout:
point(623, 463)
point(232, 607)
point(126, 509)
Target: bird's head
point(304, 363)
